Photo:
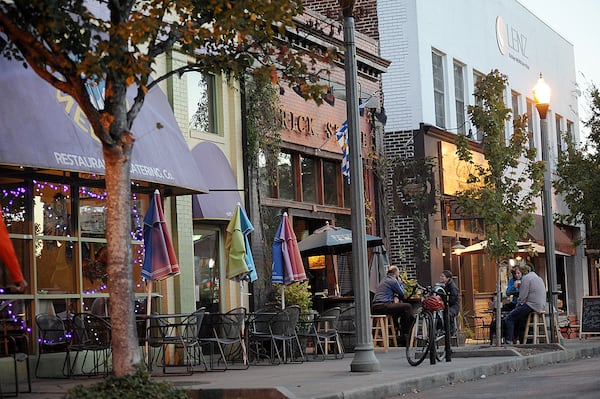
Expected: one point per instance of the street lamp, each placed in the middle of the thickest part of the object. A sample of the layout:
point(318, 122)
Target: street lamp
point(457, 249)
point(541, 96)
point(364, 355)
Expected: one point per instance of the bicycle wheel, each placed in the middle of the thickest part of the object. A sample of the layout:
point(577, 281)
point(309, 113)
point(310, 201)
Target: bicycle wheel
point(417, 345)
point(440, 337)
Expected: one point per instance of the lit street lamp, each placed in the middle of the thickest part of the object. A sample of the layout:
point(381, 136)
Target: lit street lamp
point(364, 355)
point(541, 96)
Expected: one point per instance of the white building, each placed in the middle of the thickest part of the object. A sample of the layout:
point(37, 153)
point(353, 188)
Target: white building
point(438, 49)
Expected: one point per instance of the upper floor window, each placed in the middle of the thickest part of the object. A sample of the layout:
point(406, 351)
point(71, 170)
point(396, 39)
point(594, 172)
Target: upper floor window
point(559, 138)
point(477, 77)
point(569, 131)
point(202, 102)
point(530, 123)
point(459, 97)
point(438, 89)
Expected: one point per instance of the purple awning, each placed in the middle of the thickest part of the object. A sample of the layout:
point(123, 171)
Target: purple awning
point(43, 128)
point(223, 194)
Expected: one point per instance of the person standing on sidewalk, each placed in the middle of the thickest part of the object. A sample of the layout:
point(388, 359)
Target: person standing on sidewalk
point(532, 298)
point(388, 300)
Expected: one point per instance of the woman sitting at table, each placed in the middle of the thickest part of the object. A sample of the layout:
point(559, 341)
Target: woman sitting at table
point(512, 289)
point(387, 300)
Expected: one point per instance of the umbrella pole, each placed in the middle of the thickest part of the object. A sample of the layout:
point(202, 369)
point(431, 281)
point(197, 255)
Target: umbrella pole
point(148, 312)
point(283, 296)
point(242, 293)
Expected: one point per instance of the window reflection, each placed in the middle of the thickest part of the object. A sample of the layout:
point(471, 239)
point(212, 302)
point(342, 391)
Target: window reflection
point(286, 176)
point(309, 179)
point(206, 269)
point(330, 182)
point(55, 266)
point(202, 110)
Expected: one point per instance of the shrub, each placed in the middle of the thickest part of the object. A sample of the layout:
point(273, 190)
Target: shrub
point(134, 386)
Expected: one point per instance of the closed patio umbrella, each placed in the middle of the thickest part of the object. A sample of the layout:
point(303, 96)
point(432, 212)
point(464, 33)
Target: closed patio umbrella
point(160, 261)
point(287, 261)
point(240, 263)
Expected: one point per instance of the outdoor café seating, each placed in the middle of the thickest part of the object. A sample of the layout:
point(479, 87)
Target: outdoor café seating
point(53, 337)
point(176, 333)
point(14, 344)
point(225, 333)
point(91, 335)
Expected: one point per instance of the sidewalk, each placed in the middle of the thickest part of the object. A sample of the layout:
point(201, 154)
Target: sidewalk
point(332, 379)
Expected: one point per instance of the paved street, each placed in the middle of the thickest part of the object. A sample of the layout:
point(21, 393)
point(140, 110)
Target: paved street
point(576, 379)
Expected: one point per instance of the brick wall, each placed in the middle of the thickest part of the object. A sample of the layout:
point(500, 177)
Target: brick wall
point(401, 228)
point(365, 14)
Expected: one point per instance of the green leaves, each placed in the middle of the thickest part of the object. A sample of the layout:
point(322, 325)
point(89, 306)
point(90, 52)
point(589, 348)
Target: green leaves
point(577, 177)
point(503, 191)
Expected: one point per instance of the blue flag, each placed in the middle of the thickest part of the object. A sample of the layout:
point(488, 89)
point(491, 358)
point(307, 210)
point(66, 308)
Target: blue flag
point(342, 138)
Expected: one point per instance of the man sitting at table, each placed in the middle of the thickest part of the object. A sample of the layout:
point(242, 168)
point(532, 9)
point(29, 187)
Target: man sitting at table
point(388, 300)
point(532, 298)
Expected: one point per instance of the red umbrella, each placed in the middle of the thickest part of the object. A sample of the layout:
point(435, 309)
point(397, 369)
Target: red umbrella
point(287, 262)
point(160, 261)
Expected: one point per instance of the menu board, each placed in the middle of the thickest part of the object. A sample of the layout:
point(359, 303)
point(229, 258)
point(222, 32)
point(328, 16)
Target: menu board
point(590, 315)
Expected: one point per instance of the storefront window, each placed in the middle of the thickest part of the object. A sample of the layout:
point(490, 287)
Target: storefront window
point(310, 178)
point(13, 200)
point(52, 209)
point(286, 176)
point(55, 266)
point(330, 182)
point(206, 268)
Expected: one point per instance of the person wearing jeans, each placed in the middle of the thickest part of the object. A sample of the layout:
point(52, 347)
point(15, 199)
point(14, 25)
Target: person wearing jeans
point(532, 298)
point(387, 300)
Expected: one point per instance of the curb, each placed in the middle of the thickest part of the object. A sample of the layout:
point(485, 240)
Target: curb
point(511, 365)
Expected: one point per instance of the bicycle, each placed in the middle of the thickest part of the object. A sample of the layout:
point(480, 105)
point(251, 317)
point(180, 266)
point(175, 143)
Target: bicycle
point(428, 334)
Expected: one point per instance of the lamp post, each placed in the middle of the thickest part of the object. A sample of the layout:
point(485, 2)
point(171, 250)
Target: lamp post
point(364, 355)
point(541, 96)
point(457, 249)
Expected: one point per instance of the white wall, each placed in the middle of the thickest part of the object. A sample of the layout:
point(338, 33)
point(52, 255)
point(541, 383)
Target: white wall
point(465, 30)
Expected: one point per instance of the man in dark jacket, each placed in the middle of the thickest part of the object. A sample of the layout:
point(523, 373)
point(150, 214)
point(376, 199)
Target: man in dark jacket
point(387, 300)
point(453, 297)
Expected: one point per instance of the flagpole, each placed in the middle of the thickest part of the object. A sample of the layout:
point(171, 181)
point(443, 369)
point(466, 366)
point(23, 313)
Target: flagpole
point(364, 359)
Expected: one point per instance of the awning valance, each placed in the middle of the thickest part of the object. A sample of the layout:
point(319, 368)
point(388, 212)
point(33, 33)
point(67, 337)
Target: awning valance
point(223, 194)
point(43, 128)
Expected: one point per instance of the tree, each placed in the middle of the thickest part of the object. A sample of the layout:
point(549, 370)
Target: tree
point(71, 43)
point(502, 191)
point(577, 177)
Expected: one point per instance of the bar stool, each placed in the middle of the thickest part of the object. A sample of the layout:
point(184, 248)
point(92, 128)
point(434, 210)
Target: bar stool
point(536, 321)
point(379, 329)
point(391, 331)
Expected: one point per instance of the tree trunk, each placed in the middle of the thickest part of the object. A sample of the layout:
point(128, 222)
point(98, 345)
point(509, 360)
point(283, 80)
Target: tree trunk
point(125, 350)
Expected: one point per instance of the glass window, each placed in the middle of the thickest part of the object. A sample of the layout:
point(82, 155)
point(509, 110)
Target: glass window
point(265, 176)
point(331, 173)
point(514, 100)
point(206, 268)
point(286, 176)
point(559, 138)
point(310, 179)
point(55, 262)
point(202, 102)
point(347, 197)
point(52, 209)
point(530, 123)
point(438, 89)
point(570, 131)
point(477, 77)
point(459, 97)
point(15, 211)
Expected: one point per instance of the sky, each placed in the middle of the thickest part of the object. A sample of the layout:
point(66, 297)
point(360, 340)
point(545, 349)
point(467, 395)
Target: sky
point(578, 21)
